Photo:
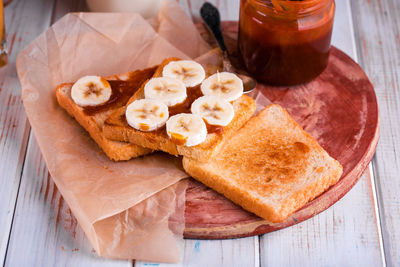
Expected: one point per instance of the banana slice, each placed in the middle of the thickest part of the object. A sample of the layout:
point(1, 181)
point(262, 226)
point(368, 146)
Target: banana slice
point(146, 114)
point(223, 84)
point(168, 90)
point(189, 72)
point(214, 110)
point(91, 91)
point(186, 129)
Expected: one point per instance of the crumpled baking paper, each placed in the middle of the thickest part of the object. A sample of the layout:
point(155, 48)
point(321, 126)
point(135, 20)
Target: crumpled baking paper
point(128, 210)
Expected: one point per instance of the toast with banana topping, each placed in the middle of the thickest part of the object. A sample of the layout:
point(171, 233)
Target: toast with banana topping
point(92, 99)
point(182, 112)
point(267, 164)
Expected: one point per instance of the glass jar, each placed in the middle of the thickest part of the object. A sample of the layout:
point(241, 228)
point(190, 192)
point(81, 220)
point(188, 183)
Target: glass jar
point(285, 42)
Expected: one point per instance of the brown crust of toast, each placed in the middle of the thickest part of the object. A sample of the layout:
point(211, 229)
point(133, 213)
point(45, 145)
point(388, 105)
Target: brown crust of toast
point(271, 168)
point(115, 150)
point(116, 128)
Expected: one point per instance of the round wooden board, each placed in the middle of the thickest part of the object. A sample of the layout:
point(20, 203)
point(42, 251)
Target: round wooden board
point(338, 108)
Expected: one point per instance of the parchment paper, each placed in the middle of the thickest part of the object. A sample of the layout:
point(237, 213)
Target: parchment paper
point(129, 210)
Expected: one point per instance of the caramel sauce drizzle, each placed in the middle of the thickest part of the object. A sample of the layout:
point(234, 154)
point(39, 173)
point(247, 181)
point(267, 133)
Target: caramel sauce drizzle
point(192, 94)
point(121, 91)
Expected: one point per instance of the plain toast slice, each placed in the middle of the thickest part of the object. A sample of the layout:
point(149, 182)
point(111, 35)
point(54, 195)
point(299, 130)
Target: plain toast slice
point(271, 166)
point(117, 128)
point(93, 123)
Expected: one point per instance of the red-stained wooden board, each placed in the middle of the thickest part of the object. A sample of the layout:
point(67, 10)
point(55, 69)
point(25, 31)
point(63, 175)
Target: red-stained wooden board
point(338, 108)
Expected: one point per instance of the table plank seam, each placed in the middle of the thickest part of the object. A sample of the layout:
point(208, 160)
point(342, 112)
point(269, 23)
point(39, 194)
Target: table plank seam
point(377, 209)
point(380, 212)
point(257, 262)
point(375, 186)
point(19, 186)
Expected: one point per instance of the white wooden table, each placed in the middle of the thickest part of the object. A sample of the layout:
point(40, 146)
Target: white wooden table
point(362, 229)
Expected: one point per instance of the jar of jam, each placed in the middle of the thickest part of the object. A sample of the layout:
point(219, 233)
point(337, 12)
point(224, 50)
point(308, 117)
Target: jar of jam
point(285, 42)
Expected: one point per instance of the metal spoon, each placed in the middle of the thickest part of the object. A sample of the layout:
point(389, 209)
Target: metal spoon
point(212, 20)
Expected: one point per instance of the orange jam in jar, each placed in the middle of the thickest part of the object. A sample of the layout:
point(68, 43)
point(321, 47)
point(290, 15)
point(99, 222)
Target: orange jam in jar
point(285, 42)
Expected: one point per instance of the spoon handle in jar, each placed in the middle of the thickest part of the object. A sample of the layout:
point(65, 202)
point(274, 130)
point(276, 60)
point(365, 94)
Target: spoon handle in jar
point(212, 19)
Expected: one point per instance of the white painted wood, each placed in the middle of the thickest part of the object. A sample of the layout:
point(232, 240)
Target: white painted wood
point(219, 253)
point(347, 234)
point(24, 20)
point(377, 214)
point(377, 31)
point(44, 233)
point(343, 32)
point(13, 139)
point(344, 234)
point(229, 10)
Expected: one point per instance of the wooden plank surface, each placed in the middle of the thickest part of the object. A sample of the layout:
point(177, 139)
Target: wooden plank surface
point(346, 233)
point(24, 20)
point(231, 252)
point(37, 228)
point(377, 31)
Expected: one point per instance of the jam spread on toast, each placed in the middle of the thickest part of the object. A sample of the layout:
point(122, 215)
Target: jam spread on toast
point(178, 139)
point(214, 128)
point(192, 94)
point(121, 91)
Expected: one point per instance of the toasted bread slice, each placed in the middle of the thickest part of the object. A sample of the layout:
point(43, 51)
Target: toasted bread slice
point(270, 167)
point(93, 123)
point(116, 128)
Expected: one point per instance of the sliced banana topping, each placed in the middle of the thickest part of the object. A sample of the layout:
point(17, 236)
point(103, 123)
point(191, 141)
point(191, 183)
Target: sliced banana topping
point(223, 84)
point(214, 110)
point(169, 90)
point(189, 72)
point(186, 129)
point(91, 91)
point(146, 114)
